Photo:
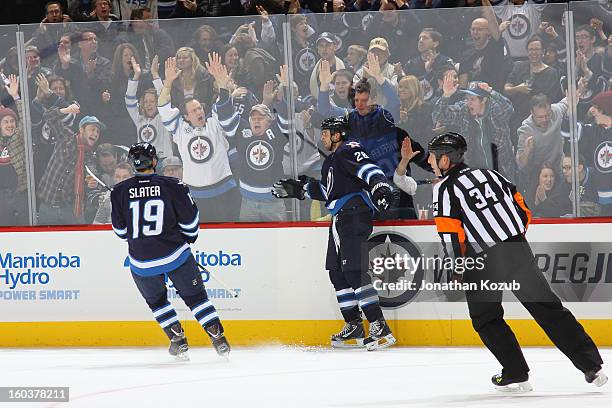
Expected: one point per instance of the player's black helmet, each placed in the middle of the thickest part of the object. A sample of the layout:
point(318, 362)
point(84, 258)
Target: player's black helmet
point(450, 143)
point(142, 155)
point(336, 124)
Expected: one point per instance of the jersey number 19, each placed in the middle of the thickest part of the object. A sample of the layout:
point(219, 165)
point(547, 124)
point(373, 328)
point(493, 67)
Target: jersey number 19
point(152, 218)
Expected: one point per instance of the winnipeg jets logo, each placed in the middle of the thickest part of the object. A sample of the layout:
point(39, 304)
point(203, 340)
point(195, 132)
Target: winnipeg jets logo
point(353, 144)
point(519, 26)
point(200, 149)
point(259, 155)
point(603, 157)
point(306, 60)
point(147, 134)
point(5, 157)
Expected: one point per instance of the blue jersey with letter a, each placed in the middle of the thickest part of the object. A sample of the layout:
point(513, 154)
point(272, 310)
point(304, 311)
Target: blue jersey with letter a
point(347, 172)
point(158, 218)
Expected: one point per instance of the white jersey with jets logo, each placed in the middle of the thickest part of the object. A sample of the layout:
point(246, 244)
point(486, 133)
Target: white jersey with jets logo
point(149, 130)
point(204, 150)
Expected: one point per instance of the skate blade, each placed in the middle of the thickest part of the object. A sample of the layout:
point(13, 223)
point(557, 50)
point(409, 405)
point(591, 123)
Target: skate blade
point(381, 343)
point(517, 388)
point(184, 356)
point(347, 344)
point(600, 380)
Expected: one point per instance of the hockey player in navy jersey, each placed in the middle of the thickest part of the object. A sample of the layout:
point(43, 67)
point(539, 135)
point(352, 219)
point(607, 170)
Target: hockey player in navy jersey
point(158, 218)
point(353, 187)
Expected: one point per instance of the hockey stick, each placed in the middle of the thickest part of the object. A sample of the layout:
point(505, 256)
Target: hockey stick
point(219, 281)
point(88, 170)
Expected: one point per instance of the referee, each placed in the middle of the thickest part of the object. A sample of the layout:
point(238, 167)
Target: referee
point(479, 213)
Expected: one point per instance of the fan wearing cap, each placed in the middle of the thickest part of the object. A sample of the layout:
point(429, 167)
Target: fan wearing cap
point(327, 45)
point(172, 167)
point(13, 196)
point(61, 190)
point(260, 141)
point(483, 117)
point(379, 47)
point(482, 219)
point(596, 145)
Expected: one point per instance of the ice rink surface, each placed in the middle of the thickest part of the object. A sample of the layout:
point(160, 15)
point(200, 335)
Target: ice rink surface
point(296, 377)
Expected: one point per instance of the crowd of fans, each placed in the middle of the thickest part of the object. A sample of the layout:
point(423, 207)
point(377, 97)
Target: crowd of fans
point(234, 103)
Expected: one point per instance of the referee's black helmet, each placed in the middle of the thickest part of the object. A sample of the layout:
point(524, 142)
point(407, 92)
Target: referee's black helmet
point(142, 154)
point(451, 144)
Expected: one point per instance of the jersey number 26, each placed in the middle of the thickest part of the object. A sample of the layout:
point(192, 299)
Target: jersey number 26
point(153, 218)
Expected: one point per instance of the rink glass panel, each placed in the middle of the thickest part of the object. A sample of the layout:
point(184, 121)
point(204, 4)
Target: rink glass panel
point(303, 152)
point(591, 143)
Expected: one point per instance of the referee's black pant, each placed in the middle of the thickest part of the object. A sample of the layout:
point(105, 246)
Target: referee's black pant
point(513, 260)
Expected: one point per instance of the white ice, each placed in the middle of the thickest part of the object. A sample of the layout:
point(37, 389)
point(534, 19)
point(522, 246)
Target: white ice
point(296, 377)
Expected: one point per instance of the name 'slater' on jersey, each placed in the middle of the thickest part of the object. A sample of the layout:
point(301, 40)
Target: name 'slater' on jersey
point(479, 208)
point(158, 218)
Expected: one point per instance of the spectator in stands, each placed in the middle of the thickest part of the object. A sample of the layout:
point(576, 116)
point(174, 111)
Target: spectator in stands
point(92, 72)
point(380, 49)
point(256, 65)
point(327, 44)
point(204, 41)
point(483, 119)
point(397, 28)
point(593, 67)
point(149, 125)
point(415, 114)
point(230, 58)
point(61, 190)
point(202, 143)
point(122, 171)
point(551, 58)
point(529, 78)
point(562, 196)
point(49, 33)
point(33, 66)
point(371, 125)
point(388, 91)
point(438, 78)
point(303, 52)
point(542, 204)
point(172, 167)
point(123, 8)
point(13, 194)
point(521, 20)
point(596, 145)
point(356, 56)
point(148, 39)
point(540, 140)
point(109, 32)
point(51, 92)
point(121, 129)
point(428, 62)
point(485, 60)
point(194, 81)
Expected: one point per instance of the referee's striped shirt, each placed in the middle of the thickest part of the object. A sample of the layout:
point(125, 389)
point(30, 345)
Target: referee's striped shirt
point(477, 207)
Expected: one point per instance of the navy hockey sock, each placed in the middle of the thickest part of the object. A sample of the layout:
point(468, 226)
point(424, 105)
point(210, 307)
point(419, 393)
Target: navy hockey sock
point(348, 304)
point(205, 313)
point(367, 298)
point(165, 316)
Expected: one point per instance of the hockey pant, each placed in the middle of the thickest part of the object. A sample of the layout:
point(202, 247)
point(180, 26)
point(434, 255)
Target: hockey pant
point(187, 281)
point(347, 262)
point(512, 260)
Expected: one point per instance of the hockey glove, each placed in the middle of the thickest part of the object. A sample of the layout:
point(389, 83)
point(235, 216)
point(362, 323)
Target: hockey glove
point(289, 188)
point(384, 196)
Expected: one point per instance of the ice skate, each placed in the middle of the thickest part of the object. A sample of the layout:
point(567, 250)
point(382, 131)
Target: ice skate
point(596, 377)
point(517, 384)
point(380, 336)
point(219, 342)
point(178, 343)
point(351, 336)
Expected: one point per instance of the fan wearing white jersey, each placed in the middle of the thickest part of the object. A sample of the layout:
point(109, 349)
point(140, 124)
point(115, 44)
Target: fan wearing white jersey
point(202, 143)
point(144, 113)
